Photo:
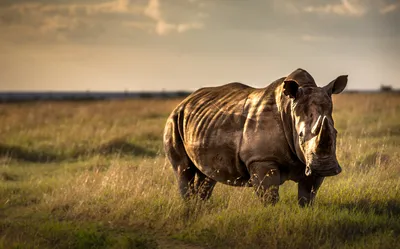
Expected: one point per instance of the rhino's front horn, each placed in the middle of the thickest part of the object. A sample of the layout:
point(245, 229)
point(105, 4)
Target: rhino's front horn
point(324, 132)
point(315, 129)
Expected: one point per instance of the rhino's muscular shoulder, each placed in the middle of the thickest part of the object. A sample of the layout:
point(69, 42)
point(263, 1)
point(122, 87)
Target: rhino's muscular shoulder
point(263, 132)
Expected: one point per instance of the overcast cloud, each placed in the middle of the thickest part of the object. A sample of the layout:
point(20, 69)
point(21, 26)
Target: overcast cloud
point(186, 44)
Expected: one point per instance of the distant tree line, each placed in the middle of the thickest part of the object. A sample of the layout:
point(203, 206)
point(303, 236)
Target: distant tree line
point(87, 95)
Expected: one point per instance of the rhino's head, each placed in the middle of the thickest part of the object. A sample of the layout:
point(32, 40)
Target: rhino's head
point(314, 132)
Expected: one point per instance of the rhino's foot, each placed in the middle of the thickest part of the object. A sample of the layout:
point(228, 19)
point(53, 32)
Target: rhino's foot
point(269, 196)
point(205, 189)
point(305, 202)
point(265, 177)
point(307, 190)
point(185, 175)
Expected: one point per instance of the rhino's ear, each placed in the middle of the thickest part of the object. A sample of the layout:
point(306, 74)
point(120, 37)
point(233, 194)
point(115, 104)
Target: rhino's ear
point(336, 86)
point(290, 88)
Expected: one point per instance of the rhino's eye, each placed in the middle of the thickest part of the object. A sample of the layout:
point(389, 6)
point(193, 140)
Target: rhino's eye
point(301, 136)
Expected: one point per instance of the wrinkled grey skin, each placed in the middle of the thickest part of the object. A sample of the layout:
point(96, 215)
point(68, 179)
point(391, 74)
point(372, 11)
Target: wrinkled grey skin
point(242, 136)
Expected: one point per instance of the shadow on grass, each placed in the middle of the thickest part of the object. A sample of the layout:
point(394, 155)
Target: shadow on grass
point(391, 207)
point(374, 220)
point(123, 147)
point(49, 233)
point(7, 177)
point(118, 146)
point(22, 154)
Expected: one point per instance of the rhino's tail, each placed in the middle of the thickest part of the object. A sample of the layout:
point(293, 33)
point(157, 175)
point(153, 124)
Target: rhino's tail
point(173, 141)
point(184, 168)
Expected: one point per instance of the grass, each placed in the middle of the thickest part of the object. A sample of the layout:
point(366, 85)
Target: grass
point(93, 175)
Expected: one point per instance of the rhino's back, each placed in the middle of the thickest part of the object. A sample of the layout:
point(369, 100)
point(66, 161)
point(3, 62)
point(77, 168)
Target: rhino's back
point(214, 107)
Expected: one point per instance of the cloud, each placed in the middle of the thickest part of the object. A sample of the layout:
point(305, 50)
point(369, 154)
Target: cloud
point(96, 20)
point(162, 27)
point(76, 8)
point(345, 7)
point(55, 23)
point(389, 8)
point(153, 10)
point(183, 27)
point(140, 22)
point(315, 38)
point(354, 8)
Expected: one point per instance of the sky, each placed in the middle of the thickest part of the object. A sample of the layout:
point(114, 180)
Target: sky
point(155, 45)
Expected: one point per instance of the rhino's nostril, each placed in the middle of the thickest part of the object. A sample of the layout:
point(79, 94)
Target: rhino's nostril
point(308, 171)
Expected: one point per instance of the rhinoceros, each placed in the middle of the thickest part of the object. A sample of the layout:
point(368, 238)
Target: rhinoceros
point(261, 137)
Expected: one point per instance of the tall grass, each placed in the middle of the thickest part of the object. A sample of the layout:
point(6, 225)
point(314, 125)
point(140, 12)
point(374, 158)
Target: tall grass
point(93, 175)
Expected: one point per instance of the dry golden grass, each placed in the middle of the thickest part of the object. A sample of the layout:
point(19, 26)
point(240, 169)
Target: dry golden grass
point(93, 175)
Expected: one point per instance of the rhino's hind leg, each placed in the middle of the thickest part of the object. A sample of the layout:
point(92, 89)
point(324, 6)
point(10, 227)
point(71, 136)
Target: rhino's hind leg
point(185, 174)
point(265, 177)
point(192, 183)
point(307, 189)
point(204, 186)
point(190, 180)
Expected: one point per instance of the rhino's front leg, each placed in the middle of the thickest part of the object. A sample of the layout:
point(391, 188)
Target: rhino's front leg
point(307, 189)
point(265, 177)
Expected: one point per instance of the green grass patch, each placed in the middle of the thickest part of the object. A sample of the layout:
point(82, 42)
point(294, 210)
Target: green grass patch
point(93, 175)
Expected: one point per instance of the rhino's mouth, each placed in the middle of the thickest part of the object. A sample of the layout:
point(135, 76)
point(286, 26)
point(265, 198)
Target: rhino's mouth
point(326, 172)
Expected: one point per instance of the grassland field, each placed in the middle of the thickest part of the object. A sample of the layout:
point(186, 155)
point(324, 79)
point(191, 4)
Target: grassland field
point(93, 175)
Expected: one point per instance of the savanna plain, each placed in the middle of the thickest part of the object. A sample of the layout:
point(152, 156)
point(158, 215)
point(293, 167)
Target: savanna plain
point(92, 174)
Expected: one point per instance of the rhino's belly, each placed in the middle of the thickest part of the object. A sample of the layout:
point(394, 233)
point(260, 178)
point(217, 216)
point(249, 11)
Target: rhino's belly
point(220, 163)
